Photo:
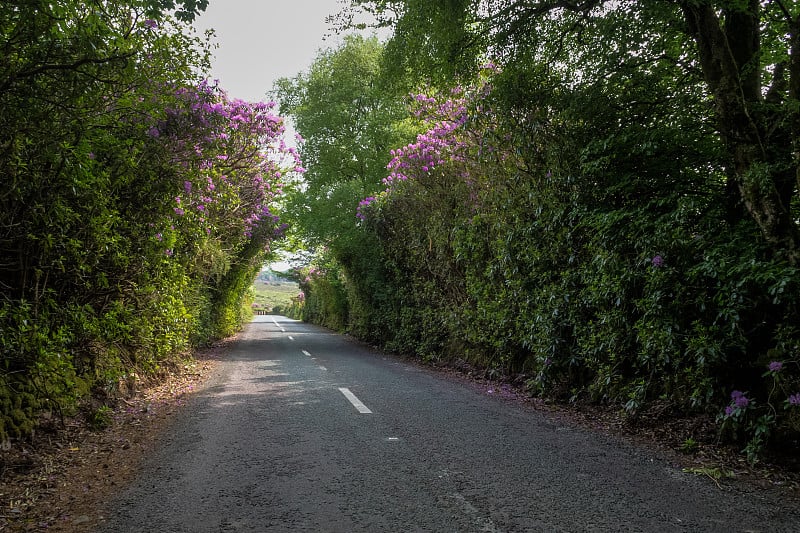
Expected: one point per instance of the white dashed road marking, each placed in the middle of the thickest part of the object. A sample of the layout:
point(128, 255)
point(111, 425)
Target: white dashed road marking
point(363, 409)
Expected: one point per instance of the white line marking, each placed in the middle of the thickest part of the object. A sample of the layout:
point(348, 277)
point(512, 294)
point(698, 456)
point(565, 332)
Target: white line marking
point(306, 353)
point(279, 326)
point(291, 338)
point(363, 409)
point(323, 368)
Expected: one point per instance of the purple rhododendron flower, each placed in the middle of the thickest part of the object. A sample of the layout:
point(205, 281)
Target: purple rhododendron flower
point(657, 261)
point(150, 24)
point(730, 410)
point(775, 366)
point(739, 399)
point(794, 399)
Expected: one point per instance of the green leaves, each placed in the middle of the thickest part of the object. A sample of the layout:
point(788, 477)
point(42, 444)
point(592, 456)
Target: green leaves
point(106, 133)
point(620, 221)
point(348, 121)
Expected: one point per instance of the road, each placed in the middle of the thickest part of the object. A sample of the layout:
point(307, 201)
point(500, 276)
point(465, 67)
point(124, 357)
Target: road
point(305, 430)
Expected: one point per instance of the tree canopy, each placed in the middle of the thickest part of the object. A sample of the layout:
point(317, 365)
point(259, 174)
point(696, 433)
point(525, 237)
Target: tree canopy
point(744, 51)
point(348, 122)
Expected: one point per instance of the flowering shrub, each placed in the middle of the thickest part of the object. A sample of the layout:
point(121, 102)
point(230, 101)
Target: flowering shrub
point(149, 201)
point(321, 299)
point(756, 423)
point(444, 148)
point(504, 248)
point(232, 157)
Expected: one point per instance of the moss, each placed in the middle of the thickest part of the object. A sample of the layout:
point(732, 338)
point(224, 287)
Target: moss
point(19, 406)
point(100, 418)
point(18, 415)
point(82, 387)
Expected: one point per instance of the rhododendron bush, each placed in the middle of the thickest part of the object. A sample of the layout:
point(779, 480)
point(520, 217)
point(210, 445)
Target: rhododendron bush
point(139, 200)
point(575, 220)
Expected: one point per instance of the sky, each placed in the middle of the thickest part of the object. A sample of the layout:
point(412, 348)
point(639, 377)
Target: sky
point(263, 40)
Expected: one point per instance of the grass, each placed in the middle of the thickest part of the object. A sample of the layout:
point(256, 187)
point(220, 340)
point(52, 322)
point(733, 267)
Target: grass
point(269, 295)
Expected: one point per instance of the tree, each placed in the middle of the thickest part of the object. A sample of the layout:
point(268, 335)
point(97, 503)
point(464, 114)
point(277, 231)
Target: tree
point(347, 122)
point(746, 51)
point(348, 119)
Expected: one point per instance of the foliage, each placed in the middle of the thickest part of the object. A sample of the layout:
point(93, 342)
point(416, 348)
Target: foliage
point(101, 418)
point(740, 53)
point(347, 123)
point(138, 199)
point(609, 211)
point(347, 119)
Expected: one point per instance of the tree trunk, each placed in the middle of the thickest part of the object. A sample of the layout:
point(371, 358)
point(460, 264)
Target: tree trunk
point(729, 58)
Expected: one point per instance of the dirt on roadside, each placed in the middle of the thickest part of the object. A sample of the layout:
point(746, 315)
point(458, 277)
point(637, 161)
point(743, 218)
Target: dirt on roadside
point(62, 478)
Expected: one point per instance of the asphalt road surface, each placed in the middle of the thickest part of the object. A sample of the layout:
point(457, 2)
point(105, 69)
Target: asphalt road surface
point(305, 430)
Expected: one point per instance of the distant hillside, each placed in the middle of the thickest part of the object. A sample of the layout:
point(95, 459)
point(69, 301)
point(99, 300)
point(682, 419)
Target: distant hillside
point(270, 276)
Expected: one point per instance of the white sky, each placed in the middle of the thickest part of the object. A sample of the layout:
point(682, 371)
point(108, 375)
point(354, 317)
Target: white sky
point(263, 40)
